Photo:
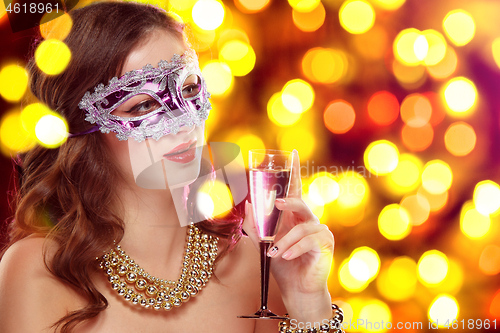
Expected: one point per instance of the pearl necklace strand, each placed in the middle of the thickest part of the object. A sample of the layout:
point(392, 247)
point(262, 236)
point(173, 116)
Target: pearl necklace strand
point(137, 286)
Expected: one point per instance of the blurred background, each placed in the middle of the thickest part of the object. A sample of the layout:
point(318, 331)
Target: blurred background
point(393, 107)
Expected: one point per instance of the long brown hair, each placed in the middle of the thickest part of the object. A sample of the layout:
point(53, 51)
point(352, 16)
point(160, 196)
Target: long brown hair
point(65, 193)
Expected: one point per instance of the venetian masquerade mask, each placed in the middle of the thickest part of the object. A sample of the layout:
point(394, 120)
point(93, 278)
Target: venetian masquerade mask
point(165, 98)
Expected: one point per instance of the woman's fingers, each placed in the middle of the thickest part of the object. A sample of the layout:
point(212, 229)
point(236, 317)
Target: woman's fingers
point(295, 190)
point(298, 207)
point(301, 239)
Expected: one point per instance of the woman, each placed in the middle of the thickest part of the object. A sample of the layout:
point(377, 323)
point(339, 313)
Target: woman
point(78, 201)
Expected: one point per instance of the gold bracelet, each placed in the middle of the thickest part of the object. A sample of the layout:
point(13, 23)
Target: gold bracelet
point(334, 324)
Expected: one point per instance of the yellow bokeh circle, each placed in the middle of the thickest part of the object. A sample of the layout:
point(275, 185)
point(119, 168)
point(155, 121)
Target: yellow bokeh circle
point(239, 56)
point(13, 82)
point(394, 222)
point(52, 56)
point(381, 157)
point(357, 16)
point(432, 268)
point(218, 76)
point(437, 177)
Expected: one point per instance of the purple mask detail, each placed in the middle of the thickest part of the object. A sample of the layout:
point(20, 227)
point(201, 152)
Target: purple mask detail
point(174, 95)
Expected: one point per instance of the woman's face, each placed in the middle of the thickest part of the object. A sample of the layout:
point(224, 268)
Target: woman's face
point(174, 156)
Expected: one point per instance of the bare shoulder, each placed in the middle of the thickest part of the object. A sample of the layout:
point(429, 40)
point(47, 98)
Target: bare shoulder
point(29, 290)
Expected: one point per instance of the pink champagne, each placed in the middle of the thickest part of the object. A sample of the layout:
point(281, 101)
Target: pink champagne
point(267, 185)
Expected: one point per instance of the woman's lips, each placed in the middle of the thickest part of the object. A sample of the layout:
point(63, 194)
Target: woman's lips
point(183, 153)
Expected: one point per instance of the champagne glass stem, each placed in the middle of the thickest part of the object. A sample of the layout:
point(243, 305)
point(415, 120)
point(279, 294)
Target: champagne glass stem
point(265, 266)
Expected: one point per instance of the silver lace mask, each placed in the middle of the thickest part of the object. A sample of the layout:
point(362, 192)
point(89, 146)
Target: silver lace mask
point(176, 93)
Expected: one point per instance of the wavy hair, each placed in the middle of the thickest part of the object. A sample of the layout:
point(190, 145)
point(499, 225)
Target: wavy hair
point(64, 193)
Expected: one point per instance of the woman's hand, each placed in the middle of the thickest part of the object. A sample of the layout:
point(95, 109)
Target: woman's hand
point(302, 254)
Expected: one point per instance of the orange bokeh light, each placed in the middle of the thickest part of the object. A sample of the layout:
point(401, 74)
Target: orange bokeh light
point(324, 65)
point(417, 138)
point(339, 116)
point(495, 305)
point(309, 21)
point(416, 110)
point(460, 138)
point(438, 110)
point(436, 201)
point(489, 261)
point(445, 67)
point(383, 108)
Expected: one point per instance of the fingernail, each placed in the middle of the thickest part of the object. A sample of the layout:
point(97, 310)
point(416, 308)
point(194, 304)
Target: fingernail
point(281, 200)
point(272, 252)
point(246, 207)
point(287, 255)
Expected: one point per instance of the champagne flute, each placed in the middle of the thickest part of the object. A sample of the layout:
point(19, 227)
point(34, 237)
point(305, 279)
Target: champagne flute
point(270, 172)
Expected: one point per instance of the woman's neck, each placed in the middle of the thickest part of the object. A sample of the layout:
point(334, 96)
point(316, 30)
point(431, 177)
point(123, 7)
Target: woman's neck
point(154, 236)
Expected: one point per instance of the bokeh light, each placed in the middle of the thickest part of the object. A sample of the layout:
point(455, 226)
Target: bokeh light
point(473, 224)
point(208, 14)
point(383, 108)
point(356, 16)
point(436, 201)
point(372, 45)
point(460, 95)
point(214, 199)
point(489, 261)
point(324, 65)
point(51, 130)
point(339, 116)
point(487, 197)
point(304, 5)
point(495, 48)
point(495, 305)
point(445, 67)
point(406, 176)
point(323, 189)
point(460, 138)
point(437, 177)
point(416, 110)
point(13, 137)
point(354, 190)
point(181, 5)
point(251, 6)
point(432, 268)
point(459, 26)
point(417, 138)
point(57, 28)
point(404, 47)
point(297, 96)
point(394, 222)
point(388, 4)
point(239, 56)
point(436, 47)
point(364, 263)
point(418, 208)
point(13, 82)
point(410, 77)
point(374, 313)
point(349, 282)
point(381, 157)
point(278, 112)
point(398, 281)
point(309, 21)
point(218, 76)
point(52, 56)
point(443, 309)
point(299, 138)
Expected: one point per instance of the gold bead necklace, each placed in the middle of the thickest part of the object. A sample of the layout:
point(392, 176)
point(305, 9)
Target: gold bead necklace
point(137, 286)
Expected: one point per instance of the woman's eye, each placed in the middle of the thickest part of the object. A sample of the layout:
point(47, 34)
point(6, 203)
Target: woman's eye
point(144, 107)
point(190, 90)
